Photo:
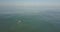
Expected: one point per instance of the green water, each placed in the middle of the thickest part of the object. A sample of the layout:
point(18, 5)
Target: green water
point(31, 23)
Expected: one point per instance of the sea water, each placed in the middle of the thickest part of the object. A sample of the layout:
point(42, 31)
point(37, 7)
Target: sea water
point(43, 21)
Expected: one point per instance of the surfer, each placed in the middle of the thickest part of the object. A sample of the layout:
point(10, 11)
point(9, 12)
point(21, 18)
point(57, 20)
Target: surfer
point(19, 21)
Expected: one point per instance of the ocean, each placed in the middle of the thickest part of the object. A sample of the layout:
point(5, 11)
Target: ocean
point(34, 20)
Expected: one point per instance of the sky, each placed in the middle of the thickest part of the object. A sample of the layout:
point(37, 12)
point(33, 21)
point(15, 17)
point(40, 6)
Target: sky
point(20, 4)
point(29, 3)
